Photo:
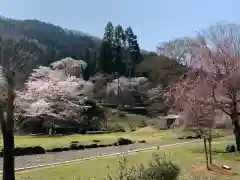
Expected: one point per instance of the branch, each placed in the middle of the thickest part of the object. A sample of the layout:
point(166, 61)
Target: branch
point(217, 103)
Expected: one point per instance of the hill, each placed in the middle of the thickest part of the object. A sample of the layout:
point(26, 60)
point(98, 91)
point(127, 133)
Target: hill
point(56, 42)
point(48, 43)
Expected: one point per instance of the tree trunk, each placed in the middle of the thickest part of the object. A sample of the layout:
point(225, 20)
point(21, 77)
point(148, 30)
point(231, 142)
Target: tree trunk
point(206, 152)
point(8, 156)
point(237, 135)
point(234, 118)
point(210, 148)
point(8, 136)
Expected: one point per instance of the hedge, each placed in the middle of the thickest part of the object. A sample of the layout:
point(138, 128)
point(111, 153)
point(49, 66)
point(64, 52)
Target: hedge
point(74, 145)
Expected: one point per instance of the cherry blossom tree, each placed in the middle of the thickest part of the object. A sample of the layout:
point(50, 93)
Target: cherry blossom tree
point(214, 73)
point(70, 66)
point(193, 97)
point(52, 92)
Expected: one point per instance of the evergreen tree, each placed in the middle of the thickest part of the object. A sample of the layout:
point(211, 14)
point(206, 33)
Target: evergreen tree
point(106, 50)
point(134, 55)
point(119, 66)
point(130, 50)
point(90, 57)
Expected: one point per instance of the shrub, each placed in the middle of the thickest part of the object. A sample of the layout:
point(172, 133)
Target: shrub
point(91, 146)
point(75, 145)
point(142, 141)
point(22, 151)
point(55, 150)
point(96, 140)
point(142, 124)
point(121, 141)
point(102, 145)
point(160, 168)
point(230, 148)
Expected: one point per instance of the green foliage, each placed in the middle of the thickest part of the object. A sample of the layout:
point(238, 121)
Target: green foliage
point(49, 43)
point(142, 124)
point(160, 70)
point(160, 168)
point(116, 128)
point(119, 51)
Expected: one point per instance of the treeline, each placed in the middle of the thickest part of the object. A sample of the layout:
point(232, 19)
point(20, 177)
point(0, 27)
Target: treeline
point(117, 53)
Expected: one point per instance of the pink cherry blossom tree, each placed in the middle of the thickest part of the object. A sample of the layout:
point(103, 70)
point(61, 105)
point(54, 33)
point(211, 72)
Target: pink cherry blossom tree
point(214, 74)
point(53, 92)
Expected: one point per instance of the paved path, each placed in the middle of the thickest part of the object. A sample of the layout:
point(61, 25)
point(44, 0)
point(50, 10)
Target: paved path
point(31, 162)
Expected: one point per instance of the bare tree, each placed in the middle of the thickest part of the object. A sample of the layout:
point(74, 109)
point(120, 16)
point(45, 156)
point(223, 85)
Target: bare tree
point(217, 59)
point(180, 49)
point(13, 61)
point(220, 57)
point(193, 97)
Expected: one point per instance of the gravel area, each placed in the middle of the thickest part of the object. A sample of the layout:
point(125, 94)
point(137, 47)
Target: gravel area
point(34, 160)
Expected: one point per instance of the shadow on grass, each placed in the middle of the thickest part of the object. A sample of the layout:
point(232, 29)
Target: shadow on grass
point(220, 152)
point(51, 136)
point(215, 151)
point(215, 169)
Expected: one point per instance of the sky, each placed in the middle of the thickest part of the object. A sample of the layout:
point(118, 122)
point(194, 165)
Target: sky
point(153, 21)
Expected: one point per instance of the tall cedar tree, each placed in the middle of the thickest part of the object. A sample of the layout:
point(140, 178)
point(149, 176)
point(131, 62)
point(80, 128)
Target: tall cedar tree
point(106, 50)
point(134, 51)
point(119, 66)
point(89, 58)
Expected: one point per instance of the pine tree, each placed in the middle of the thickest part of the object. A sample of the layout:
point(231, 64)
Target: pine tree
point(119, 66)
point(106, 50)
point(88, 71)
point(134, 55)
point(130, 50)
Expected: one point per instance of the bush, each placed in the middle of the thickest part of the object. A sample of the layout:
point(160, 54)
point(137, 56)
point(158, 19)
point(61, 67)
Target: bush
point(160, 168)
point(121, 141)
point(75, 145)
point(56, 150)
point(142, 141)
point(91, 146)
point(230, 148)
point(96, 141)
point(22, 151)
point(142, 124)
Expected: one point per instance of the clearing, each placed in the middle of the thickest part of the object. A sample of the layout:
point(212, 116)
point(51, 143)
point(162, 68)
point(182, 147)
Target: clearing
point(189, 157)
point(151, 135)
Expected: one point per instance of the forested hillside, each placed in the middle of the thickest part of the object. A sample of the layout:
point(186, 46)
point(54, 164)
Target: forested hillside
point(51, 43)
point(118, 52)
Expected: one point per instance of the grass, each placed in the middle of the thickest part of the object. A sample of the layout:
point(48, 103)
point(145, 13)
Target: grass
point(151, 135)
point(126, 120)
point(190, 161)
point(114, 118)
point(57, 141)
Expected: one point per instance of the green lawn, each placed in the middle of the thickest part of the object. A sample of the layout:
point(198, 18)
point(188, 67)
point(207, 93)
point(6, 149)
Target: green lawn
point(148, 134)
point(126, 120)
point(190, 158)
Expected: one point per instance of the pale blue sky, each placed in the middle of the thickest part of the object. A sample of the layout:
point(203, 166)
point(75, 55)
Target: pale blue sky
point(153, 21)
